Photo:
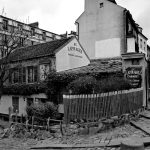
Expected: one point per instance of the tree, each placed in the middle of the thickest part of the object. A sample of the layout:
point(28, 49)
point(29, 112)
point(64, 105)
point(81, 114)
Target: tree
point(10, 39)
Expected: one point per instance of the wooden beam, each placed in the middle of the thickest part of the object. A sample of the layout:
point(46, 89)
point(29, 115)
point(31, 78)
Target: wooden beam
point(141, 127)
point(112, 143)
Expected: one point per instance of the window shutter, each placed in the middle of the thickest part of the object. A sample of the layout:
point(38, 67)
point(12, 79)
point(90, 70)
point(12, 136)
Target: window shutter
point(20, 75)
point(35, 73)
point(24, 74)
point(10, 76)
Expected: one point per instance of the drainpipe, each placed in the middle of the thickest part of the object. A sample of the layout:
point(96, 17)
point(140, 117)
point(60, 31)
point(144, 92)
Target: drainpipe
point(76, 23)
point(125, 30)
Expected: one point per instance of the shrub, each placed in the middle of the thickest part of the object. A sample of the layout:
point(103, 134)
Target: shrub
point(113, 84)
point(83, 85)
point(43, 111)
point(89, 85)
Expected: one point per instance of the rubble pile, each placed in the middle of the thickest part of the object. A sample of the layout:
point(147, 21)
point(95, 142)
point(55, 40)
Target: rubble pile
point(75, 128)
point(20, 131)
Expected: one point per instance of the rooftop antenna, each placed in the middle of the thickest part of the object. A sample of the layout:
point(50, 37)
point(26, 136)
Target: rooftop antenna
point(3, 11)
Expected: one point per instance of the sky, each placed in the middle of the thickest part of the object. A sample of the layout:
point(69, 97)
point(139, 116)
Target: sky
point(59, 16)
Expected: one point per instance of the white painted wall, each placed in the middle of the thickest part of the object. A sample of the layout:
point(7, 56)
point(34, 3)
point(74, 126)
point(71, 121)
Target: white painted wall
point(107, 48)
point(100, 24)
point(71, 56)
point(6, 102)
point(142, 46)
point(130, 45)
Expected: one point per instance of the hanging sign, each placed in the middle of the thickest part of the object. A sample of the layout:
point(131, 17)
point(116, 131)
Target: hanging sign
point(134, 76)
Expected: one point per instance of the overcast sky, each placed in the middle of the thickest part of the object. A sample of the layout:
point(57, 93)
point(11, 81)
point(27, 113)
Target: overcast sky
point(58, 16)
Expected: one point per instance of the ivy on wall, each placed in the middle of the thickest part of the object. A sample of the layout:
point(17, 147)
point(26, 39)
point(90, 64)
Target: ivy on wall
point(25, 89)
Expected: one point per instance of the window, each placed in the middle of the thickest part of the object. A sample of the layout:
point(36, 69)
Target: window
point(144, 46)
point(140, 43)
point(44, 36)
point(29, 101)
point(24, 75)
point(4, 39)
point(32, 74)
point(21, 41)
point(20, 27)
point(5, 24)
point(101, 5)
point(15, 104)
point(130, 29)
point(16, 75)
point(32, 31)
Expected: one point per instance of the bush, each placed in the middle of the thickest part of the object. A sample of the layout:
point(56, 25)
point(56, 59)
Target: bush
point(43, 111)
point(113, 84)
point(89, 85)
point(83, 85)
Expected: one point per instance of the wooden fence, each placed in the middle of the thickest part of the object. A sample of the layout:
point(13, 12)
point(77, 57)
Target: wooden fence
point(97, 106)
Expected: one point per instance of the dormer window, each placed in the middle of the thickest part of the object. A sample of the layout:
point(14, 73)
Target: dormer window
point(101, 5)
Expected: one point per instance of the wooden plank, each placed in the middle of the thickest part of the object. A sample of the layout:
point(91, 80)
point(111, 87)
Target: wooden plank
point(84, 106)
point(112, 143)
point(141, 127)
point(146, 115)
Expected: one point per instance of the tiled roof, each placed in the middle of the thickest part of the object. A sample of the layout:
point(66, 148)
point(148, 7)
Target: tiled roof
point(38, 50)
point(99, 66)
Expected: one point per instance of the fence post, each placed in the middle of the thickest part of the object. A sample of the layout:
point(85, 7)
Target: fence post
point(48, 120)
point(21, 119)
point(10, 114)
point(27, 122)
point(61, 130)
point(32, 121)
point(16, 116)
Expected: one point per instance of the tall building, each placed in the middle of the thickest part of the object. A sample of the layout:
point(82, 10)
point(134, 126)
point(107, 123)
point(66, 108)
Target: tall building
point(31, 34)
point(106, 29)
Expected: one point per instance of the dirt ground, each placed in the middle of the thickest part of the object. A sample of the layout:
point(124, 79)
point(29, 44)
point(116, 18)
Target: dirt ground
point(16, 144)
point(123, 131)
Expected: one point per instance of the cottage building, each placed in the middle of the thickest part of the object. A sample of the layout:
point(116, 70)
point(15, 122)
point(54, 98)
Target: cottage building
point(106, 30)
point(32, 64)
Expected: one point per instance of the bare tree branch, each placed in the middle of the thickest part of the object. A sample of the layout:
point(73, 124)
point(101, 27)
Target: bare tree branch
point(9, 42)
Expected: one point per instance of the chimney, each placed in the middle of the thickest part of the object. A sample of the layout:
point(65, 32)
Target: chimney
point(113, 1)
point(34, 24)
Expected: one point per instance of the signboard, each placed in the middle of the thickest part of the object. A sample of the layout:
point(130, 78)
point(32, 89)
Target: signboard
point(75, 51)
point(134, 76)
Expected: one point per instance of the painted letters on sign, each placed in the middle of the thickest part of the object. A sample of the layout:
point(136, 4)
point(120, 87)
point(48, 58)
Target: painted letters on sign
point(134, 76)
point(75, 51)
